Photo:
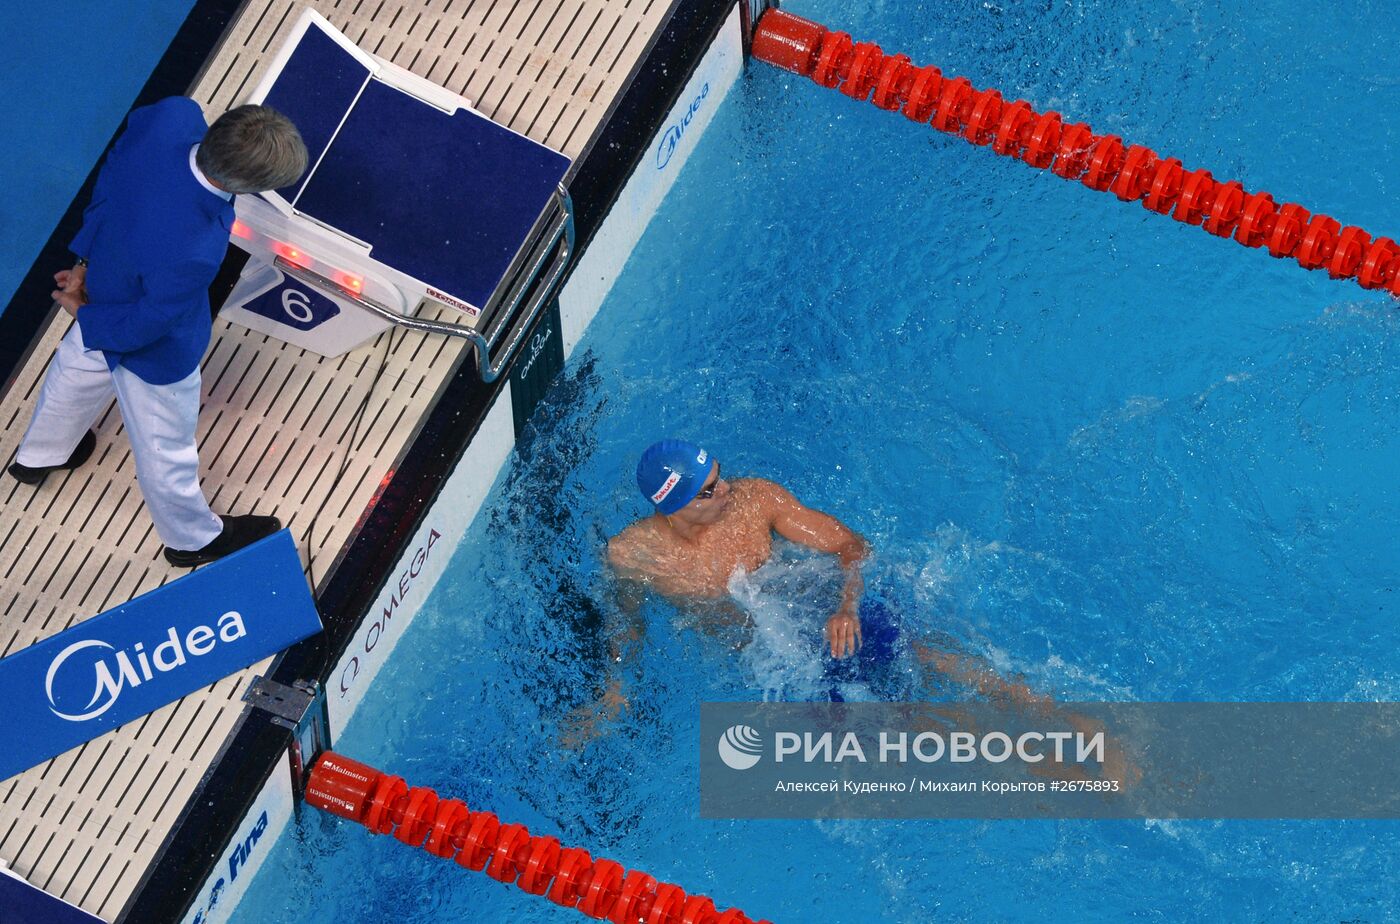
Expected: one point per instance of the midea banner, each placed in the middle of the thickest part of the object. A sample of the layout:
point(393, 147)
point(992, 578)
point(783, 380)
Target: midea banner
point(133, 659)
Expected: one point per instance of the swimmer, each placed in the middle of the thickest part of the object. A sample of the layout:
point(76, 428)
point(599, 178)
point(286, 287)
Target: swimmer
point(705, 527)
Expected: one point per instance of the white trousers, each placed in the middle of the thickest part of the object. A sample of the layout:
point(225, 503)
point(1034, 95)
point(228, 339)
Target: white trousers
point(160, 422)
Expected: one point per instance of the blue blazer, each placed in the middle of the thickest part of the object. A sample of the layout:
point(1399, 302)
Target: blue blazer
point(154, 238)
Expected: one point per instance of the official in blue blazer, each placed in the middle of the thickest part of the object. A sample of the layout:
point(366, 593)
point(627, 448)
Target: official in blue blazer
point(152, 241)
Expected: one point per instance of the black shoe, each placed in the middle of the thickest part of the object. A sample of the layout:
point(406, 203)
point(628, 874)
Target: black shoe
point(27, 475)
point(238, 532)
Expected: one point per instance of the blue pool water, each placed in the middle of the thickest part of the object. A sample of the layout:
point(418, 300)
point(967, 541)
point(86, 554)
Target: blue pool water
point(71, 71)
point(1117, 455)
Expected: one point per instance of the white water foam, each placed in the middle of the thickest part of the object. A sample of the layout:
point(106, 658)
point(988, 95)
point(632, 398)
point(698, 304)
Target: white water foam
point(788, 598)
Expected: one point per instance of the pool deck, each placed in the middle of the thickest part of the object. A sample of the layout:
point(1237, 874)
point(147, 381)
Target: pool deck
point(275, 429)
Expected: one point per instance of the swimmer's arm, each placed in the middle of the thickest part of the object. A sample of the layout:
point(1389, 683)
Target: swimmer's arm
point(625, 626)
point(824, 533)
point(625, 632)
point(811, 528)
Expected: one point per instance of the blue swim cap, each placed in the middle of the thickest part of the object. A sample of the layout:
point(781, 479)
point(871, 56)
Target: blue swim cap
point(671, 473)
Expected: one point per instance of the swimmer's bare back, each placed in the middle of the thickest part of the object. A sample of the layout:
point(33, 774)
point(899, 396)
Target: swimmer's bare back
point(695, 556)
point(654, 552)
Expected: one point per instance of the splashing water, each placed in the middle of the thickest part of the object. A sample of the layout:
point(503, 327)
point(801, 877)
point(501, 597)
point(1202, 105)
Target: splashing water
point(788, 599)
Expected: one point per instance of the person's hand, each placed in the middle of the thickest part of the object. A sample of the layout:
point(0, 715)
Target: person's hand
point(72, 280)
point(70, 301)
point(843, 633)
point(72, 288)
point(581, 725)
point(613, 701)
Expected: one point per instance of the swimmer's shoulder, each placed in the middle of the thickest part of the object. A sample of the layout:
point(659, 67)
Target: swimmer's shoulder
point(751, 487)
point(761, 491)
point(632, 549)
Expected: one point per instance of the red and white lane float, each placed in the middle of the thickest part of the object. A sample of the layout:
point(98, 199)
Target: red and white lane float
point(1131, 172)
point(446, 828)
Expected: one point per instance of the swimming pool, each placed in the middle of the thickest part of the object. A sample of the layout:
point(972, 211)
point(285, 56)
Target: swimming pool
point(1117, 455)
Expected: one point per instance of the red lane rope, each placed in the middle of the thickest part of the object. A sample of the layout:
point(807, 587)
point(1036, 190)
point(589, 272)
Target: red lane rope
point(1102, 162)
point(446, 828)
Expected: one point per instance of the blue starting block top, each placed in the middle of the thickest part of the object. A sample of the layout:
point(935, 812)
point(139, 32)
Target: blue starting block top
point(316, 88)
point(447, 199)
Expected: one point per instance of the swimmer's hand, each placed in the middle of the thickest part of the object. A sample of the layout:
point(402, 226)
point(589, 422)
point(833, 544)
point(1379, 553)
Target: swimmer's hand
point(582, 725)
point(843, 634)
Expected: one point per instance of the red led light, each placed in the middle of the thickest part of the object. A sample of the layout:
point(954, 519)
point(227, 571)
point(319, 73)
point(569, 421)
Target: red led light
point(291, 254)
point(242, 230)
point(350, 282)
